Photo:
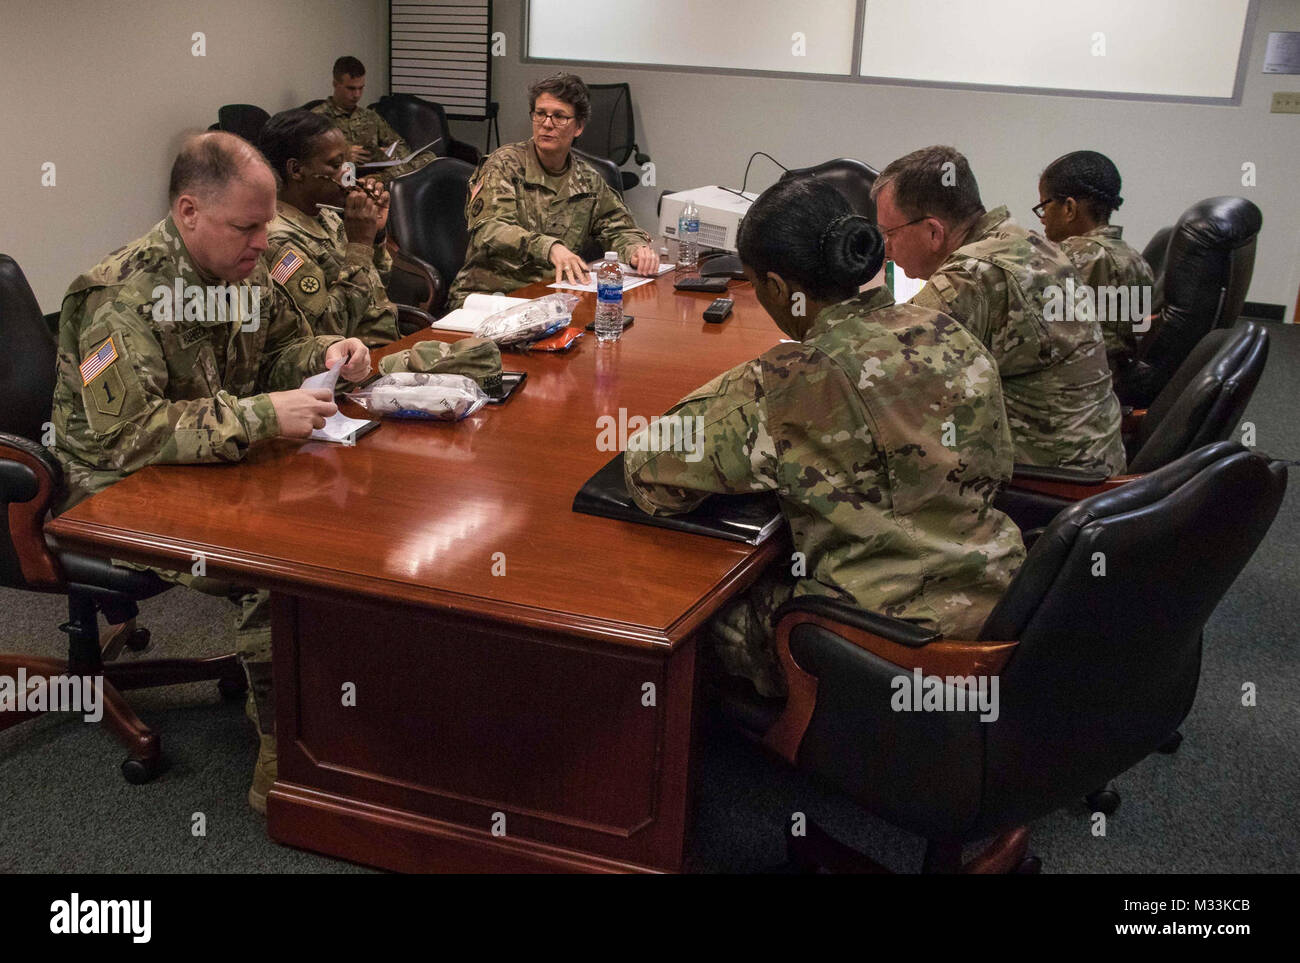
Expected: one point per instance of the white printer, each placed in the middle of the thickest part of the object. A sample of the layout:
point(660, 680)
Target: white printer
point(720, 214)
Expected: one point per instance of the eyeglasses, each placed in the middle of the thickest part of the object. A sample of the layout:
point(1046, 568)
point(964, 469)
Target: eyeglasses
point(540, 117)
point(1039, 209)
point(893, 230)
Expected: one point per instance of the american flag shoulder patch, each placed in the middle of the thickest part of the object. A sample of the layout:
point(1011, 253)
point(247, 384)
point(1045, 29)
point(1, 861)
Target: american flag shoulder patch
point(289, 262)
point(94, 365)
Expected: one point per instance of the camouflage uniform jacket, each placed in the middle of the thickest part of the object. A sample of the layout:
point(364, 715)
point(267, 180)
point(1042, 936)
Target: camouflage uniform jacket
point(337, 285)
point(1055, 380)
point(365, 128)
point(160, 390)
point(516, 212)
point(1103, 260)
point(849, 427)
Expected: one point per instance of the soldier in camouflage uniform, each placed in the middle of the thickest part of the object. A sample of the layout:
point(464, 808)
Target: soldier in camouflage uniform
point(533, 206)
point(146, 380)
point(882, 431)
point(1077, 193)
point(998, 280)
point(369, 136)
point(334, 268)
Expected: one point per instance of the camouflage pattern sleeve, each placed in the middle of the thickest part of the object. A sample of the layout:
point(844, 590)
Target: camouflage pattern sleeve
point(715, 440)
point(387, 135)
point(612, 223)
point(292, 351)
point(356, 305)
point(383, 262)
point(960, 295)
point(492, 216)
point(129, 419)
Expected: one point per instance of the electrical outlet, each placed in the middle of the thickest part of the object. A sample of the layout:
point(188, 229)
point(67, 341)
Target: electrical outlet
point(1285, 103)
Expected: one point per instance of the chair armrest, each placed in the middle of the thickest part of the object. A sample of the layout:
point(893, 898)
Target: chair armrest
point(1070, 484)
point(30, 481)
point(903, 644)
point(1132, 420)
point(411, 319)
point(426, 272)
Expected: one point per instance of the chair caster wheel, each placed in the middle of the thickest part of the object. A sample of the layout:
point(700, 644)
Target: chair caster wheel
point(1103, 801)
point(232, 690)
point(139, 771)
point(138, 640)
point(1029, 866)
point(1170, 745)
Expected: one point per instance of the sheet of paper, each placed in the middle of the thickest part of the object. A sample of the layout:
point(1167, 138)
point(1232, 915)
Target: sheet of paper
point(476, 307)
point(375, 165)
point(630, 280)
point(338, 426)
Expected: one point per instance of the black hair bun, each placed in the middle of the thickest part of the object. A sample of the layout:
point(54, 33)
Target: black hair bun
point(852, 250)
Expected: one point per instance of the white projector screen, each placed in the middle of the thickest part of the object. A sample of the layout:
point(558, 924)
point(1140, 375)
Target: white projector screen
point(811, 37)
point(1170, 48)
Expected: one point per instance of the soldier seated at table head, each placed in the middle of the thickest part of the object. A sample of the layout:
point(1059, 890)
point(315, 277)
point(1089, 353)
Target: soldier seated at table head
point(1077, 193)
point(1014, 291)
point(332, 263)
point(370, 138)
point(533, 206)
point(881, 429)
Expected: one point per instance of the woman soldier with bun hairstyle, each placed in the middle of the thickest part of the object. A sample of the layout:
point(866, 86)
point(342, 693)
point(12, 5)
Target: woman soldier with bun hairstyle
point(881, 428)
point(1077, 193)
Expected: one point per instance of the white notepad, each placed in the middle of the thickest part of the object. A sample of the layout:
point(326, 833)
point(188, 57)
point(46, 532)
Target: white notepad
point(476, 308)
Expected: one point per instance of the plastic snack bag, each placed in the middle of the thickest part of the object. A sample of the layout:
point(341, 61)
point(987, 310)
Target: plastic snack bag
point(411, 394)
point(529, 322)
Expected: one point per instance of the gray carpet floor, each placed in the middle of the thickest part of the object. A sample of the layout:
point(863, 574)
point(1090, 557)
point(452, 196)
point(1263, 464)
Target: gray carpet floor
point(1224, 803)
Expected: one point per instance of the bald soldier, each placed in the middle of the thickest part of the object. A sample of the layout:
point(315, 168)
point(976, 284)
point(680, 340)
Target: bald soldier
point(534, 205)
point(881, 430)
point(997, 279)
point(370, 138)
point(177, 349)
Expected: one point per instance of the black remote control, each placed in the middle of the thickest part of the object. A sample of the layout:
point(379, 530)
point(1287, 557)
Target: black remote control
point(712, 285)
point(717, 312)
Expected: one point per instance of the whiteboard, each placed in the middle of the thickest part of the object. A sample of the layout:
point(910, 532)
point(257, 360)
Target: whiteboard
point(813, 37)
point(1175, 48)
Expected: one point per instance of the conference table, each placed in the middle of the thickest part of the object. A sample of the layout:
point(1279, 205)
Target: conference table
point(469, 675)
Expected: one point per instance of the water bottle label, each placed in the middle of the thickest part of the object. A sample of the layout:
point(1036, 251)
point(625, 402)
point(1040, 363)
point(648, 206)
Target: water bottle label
point(609, 293)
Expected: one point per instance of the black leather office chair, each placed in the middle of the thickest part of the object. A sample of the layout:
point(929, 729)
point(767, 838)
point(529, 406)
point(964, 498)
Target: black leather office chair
point(850, 177)
point(1207, 271)
point(421, 121)
point(30, 483)
point(313, 103)
point(426, 222)
point(1093, 673)
point(246, 120)
point(610, 131)
point(1201, 404)
point(1155, 253)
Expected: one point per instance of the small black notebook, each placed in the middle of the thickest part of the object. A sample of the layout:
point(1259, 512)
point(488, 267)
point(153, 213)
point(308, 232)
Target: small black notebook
point(737, 518)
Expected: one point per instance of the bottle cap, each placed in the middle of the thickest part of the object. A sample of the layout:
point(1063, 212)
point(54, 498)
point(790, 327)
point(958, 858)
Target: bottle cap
point(611, 255)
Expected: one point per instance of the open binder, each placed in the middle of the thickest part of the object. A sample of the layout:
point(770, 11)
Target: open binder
point(738, 518)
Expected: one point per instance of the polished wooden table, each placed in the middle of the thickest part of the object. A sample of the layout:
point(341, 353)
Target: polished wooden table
point(470, 676)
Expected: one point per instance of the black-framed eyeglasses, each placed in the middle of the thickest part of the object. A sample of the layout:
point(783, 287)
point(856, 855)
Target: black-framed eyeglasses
point(901, 226)
point(1040, 209)
point(540, 117)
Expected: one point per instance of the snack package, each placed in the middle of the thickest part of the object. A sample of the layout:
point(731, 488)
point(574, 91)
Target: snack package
point(411, 394)
point(529, 322)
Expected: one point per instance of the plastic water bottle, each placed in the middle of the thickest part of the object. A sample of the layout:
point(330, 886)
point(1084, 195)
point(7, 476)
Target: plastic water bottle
point(609, 298)
point(688, 238)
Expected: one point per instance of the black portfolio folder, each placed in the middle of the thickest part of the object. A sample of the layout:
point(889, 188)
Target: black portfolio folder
point(737, 518)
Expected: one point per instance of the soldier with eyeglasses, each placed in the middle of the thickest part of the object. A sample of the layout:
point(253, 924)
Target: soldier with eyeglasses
point(533, 206)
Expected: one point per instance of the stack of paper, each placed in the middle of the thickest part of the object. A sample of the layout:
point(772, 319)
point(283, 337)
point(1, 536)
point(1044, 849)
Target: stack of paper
point(630, 279)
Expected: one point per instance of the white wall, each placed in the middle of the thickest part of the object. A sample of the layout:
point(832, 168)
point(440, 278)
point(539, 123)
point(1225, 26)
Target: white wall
point(106, 89)
point(701, 128)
